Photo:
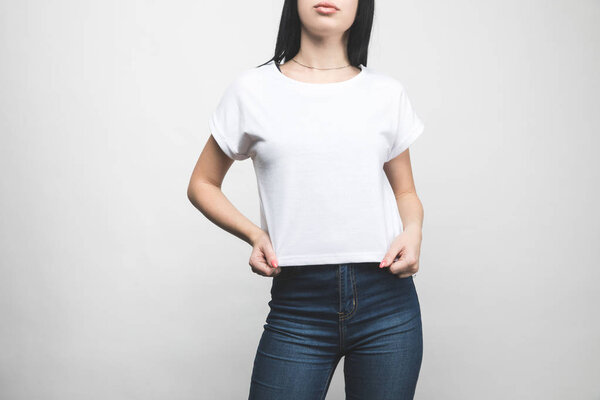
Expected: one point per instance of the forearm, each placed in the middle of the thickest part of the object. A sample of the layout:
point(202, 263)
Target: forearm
point(411, 211)
point(210, 200)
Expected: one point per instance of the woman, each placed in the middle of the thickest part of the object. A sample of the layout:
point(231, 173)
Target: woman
point(341, 223)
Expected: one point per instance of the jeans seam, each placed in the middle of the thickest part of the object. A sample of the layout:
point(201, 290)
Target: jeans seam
point(339, 290)
point(340, 327)
point(354, 296)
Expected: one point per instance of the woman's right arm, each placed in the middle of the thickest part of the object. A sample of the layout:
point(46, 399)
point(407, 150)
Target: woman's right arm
point(204, 192)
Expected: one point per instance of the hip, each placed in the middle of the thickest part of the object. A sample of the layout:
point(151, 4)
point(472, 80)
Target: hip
point(356, 295)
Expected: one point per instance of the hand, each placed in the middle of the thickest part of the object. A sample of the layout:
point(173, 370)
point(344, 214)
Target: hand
point(263, 260)
point(403, 254)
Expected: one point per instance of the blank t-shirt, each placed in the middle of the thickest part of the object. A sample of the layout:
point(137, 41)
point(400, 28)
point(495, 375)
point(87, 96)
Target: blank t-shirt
point(318, 151)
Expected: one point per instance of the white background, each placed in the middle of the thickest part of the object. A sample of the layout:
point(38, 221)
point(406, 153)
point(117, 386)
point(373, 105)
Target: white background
point(113, 286)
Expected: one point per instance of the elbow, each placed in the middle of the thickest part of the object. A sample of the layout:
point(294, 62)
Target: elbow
point(191, 192)
point(199, 191)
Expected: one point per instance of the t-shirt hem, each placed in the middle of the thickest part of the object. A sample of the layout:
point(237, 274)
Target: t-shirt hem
point(338, 258)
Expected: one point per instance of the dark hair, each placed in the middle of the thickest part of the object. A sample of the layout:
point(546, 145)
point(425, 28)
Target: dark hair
point(288, 37)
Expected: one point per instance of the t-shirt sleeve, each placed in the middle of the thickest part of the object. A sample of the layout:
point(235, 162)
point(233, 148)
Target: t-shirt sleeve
point(226, 123)
point(408, 126)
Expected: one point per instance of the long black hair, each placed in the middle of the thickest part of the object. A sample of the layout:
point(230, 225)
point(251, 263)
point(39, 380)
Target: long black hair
point(288, 37)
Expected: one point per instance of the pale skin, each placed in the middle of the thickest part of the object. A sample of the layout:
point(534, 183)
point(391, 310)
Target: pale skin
point(323, 45)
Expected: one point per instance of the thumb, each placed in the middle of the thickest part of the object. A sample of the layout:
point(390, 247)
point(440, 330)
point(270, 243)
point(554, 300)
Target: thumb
point(389, 256)
point(270, 255)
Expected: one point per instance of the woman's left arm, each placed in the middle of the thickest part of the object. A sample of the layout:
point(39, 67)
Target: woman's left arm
point(403, 255)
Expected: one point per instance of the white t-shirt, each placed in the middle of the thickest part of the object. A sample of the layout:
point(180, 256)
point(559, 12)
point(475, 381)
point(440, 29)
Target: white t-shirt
point(318, 151)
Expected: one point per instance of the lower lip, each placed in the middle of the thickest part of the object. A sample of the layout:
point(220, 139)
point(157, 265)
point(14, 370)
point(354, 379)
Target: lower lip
point(325, 10)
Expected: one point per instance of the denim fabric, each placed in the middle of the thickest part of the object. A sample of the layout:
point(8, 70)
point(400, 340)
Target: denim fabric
point(319, 313)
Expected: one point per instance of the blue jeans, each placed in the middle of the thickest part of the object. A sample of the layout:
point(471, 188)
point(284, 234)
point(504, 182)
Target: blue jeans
point(319, 313)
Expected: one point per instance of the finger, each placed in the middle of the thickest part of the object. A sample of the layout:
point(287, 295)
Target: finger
point(399, 266)
point(390, 256)
point(265, 270)
point(412, 271)
point(270, 255)
point(259, 265)
point(404, 266)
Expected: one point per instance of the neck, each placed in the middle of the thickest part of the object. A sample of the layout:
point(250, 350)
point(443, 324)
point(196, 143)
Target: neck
point(323, 51)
